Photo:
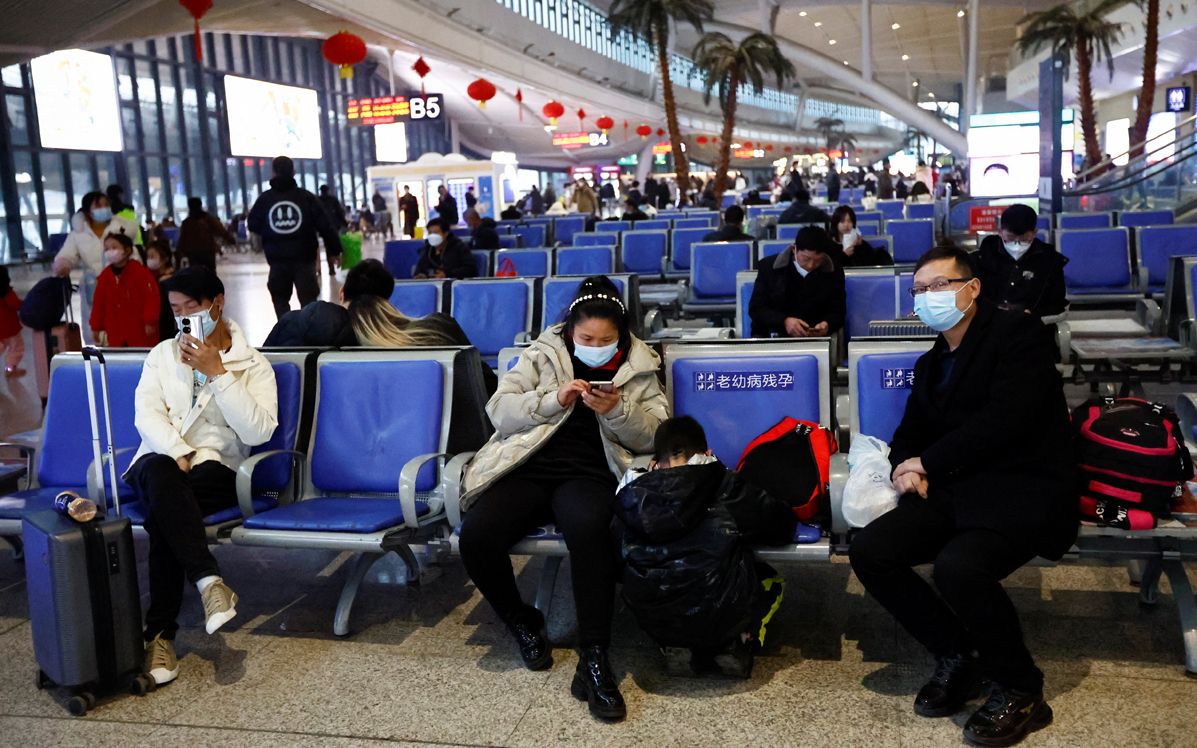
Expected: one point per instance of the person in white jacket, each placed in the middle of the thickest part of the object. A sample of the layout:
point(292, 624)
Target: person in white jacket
point(201, 403)
point(84, 246)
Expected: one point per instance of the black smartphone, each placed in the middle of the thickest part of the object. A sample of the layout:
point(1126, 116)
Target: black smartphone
point(604, 386)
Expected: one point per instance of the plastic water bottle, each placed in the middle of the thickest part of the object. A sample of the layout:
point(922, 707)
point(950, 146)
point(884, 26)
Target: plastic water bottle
point(75, 506)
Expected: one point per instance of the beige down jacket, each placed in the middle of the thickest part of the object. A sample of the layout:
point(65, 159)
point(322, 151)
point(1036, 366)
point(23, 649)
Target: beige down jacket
point(525, 411)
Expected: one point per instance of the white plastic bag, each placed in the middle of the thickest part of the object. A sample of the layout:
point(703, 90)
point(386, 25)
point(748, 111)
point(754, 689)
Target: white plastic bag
point(868, 494)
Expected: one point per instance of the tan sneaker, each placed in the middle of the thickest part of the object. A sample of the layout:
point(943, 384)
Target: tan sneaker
point(161, 664)
point(220, 605)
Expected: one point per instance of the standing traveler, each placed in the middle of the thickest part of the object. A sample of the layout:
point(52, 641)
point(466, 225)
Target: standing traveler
point(550, 196)
point(201, 236)
point(160, 261)
point(584, 200)
point(378, 201)
point(121, 209)
point(84, 247)
point(127, 304)
point(446, 208)
point(470, 198)
point(885, 182)
point(289, 218)
point(409, 208)
point(535, 201)
point(333, 208)
point(833, 185)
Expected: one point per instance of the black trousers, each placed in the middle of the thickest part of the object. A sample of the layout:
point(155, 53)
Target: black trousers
point(515, 506)
point(971, 610)
point(176, 504)
point(287, 273)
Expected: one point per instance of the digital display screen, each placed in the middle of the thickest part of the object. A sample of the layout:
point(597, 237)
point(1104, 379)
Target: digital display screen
point(383, 110)
point(1003, 151)
point(76, 99)
point(574, 140)
point(390, 143)
point(270, 119)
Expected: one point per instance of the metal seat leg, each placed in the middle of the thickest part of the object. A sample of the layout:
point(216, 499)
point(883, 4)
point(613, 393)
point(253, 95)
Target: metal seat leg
point(1186, 606)
point(548, 580)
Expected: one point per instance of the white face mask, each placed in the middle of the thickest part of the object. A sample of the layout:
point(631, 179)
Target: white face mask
point(153, 263)
point(801, 270)
point(434, 240)
point(113, 256)
point(1017, 249)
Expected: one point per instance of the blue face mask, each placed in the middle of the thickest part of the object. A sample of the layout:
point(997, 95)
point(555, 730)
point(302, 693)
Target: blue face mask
point(101, 215)
point(938, 310)
point(595, 356)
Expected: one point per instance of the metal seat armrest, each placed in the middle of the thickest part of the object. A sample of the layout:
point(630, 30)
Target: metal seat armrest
point(1064, 341)
point(1185, 333)
point(96, 489)
point(28, 453)
point(838, 478)
point(454, 473)
point(843, 418)
point(1142, 279)
point(245, 476)
point(1149, 314)
point(407, 486)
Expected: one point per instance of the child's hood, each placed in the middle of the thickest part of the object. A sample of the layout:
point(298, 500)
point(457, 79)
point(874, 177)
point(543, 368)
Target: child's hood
point(666, 504)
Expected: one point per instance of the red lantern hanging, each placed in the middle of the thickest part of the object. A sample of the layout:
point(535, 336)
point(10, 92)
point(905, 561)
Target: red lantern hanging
point(605, 124)
point(644, 131)
point(197, 9)
point(788, 149)
point(714, 138)
point(344, 49)
point(552, 110)
point(701, 140)
point(581, 118)
point(769, 148)
point(660, 132)
point(746, 144)
point(422, 70)
point(519, 102)
point(481, 91)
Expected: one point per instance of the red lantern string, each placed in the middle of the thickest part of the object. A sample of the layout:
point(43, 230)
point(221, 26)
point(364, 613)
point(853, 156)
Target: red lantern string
point(422, 70)
point(197, 9)
point(519, 102)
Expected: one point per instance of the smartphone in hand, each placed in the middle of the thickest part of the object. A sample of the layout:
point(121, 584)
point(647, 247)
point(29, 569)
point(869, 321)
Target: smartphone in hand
point(602, 386)
point(193, 325)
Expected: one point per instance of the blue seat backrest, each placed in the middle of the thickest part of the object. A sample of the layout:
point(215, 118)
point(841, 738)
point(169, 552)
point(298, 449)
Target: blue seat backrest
point(911, 238)
point(171, 234)
point(880, 241)
point(416, 298)
point(1044, 222)
point(770, 247)
point(870, 296)
point(744, 291)
point(713, 275)
point(693, 222)
point(594, 239)
point(905, 300)
point(585, 260)
point(891, 209)
point(362, 449)
point(401, 255)
point(920, 210)
point(868, 228)
point(643, 251)
point(1146, 218)
point(683, 239)
point(274, 473)
point(530, 236)
point(662, 224)
point(66, 445)
point(558, 293)
point(609, 226)
point(1157, 243)
point(728, 201)
point(492, 312)
point(870, 215)
point(530, 263)
point(566, 227)
point(1083, 221)
point(788, 231)
point(883, 382)
point(734, 406)
point(1098, 259)
point(504, 229)
point(482, 262)
point(509, 241)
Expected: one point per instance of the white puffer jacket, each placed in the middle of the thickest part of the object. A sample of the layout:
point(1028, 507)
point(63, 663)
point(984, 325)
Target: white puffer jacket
point(233, 412)
point(526, 414)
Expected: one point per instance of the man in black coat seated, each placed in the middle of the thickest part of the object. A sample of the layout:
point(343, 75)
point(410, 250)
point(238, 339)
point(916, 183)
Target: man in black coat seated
point(484, 232)
point(732, 229)
point(982, 463)
point(444, 255)
point(1018, 272)
point(632, 210)
point(323, 324)
point(799, 293)
point(801, 211)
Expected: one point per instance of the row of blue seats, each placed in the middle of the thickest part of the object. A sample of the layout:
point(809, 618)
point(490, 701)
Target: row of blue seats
point(1119, 263)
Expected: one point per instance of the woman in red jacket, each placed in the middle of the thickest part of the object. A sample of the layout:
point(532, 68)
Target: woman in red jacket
point(125, 311)
point(12, 346)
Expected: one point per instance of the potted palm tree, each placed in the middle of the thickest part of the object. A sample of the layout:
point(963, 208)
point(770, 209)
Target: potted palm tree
point(1080, 30)
point(650, 19)
point(726, 65)
point(1151, 45)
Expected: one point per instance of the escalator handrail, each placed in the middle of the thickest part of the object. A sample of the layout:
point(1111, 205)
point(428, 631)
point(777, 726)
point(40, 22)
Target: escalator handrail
point(1188, 121)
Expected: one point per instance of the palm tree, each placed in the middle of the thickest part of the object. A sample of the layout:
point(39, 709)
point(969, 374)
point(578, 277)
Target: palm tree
point(829, 128)
point(650, 19)
point(1138, 133)
point(726, 65)
point(1085, 32)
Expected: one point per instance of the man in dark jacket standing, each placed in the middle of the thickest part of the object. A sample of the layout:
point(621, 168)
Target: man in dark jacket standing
point(732, 229)
point(289, 218)
point(801, 211)
point(1018, 272)
point(799, 293)
point(444, 255)
point(409, 207)
point(983, 465)
point(833, 185)
point(446, 207)
point(201, 235)
point(333, 207)
point(484, 232)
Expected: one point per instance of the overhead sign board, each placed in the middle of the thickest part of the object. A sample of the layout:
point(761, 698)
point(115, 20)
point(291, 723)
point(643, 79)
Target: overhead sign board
point(574, 140)
point(383, 110)
point(660, 149)
point(1178, 99)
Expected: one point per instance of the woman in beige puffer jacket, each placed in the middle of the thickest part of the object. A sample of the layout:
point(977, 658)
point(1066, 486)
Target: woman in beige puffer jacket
point(559, 448)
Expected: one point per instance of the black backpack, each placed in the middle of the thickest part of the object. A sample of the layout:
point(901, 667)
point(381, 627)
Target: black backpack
point(46, 303)
point(1131, 461)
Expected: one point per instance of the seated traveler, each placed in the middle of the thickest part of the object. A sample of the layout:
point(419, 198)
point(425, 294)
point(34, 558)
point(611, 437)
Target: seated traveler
point(714, 602)
point(444, 255)
point(322, 324)
point(632, 211)
point(484, 233)
point(982, 461)
point(732, 229)
point(560, 444)
point(1018, 272)
point(801, 211)
point(799, 293)
point(202, 401)
point(852, 250)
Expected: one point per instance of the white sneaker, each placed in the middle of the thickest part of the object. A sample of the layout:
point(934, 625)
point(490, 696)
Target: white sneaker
point(161, 664)
point(219, 605)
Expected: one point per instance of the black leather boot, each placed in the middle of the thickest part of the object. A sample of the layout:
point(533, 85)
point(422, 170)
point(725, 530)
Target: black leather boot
point(594, 682)
point(529, 633)
point(1007, 717)
point(951, 686)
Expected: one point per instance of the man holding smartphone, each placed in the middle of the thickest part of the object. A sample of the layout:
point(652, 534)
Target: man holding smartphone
point(204, 398)
point(799, 293)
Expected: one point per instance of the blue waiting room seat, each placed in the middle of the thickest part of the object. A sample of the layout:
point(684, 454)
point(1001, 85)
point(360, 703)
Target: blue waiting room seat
point(1099, 264)
point(530, 263)
point(492, 312)
point(585, 261)
point(566, 227)
point(420, 298)
point(911, 238)
point(713, 270)
point(401, 255)
point(1156, 244)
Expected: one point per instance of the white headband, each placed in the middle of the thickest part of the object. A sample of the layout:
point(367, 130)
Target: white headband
point(597, 297)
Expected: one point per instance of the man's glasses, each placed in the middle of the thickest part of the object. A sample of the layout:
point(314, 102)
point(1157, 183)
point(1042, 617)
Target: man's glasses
point(940, 285)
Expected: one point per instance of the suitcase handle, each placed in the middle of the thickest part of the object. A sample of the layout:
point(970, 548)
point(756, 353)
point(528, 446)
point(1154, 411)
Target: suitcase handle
point(90, 352)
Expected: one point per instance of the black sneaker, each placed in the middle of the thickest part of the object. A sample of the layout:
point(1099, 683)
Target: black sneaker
point(595, 683)
point(1007, 717)
point(954, 682)
point(529, 633)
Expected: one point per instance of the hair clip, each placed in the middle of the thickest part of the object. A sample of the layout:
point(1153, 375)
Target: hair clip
point(598, 297)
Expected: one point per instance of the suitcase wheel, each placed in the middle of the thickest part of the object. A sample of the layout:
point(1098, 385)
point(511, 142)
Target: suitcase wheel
point(43, 682)
point(141, 685)
point(80, 703)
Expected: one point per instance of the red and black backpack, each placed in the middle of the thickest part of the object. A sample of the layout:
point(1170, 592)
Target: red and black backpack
point(792, 462)
point(1131, 461)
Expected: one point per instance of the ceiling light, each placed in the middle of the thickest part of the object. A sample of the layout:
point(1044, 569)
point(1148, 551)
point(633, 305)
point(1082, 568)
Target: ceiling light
point(896, 26)
point(931, 94)
point(802, 13)
point(845, 62)
point(915, 84)
point(818, 24)
point(960, 13)
point(905, 58)
point(831, 41)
